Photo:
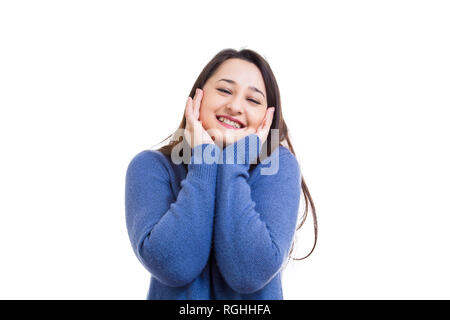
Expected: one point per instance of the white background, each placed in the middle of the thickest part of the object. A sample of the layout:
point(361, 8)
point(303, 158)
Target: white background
point(86, 85)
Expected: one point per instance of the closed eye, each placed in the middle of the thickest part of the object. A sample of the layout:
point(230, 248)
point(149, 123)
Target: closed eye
point(223, 90)
point(226, 91)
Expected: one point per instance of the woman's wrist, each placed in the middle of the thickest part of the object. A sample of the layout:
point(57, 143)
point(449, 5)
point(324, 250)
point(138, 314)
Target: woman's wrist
point(203, 162)
point(243, 151)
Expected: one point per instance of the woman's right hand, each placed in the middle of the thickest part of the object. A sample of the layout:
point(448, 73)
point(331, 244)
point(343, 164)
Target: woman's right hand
point(194, 131)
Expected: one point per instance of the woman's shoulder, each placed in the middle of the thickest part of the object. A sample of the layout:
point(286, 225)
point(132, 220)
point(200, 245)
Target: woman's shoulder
point(281, 161)
point(149, 156)
point(149, 159)
point(288, 158)
point(282, 152)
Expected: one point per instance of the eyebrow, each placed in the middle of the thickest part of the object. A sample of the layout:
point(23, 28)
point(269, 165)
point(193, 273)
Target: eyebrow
point(250, 87)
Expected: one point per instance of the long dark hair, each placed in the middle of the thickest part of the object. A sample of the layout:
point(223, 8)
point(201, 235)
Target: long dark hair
point(273, 99)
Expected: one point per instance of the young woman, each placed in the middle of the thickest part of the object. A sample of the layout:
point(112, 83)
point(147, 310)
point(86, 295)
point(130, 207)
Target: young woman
point(219, 229)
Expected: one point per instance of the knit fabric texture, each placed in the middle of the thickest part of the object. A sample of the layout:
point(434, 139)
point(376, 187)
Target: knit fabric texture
point(216, 231)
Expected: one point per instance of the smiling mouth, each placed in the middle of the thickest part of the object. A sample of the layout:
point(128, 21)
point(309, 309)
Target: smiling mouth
point(228, 125)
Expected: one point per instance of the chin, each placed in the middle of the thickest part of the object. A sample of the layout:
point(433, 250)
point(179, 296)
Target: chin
point(221, 141)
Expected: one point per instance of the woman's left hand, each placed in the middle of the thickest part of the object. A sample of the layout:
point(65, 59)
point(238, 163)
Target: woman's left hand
point(263, 130)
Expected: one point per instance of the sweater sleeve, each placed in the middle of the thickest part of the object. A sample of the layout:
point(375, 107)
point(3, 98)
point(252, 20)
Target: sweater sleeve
point(254, 226)
point(171, 236)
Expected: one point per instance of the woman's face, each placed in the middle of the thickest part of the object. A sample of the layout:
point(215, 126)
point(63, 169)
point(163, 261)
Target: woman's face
point(236, 91)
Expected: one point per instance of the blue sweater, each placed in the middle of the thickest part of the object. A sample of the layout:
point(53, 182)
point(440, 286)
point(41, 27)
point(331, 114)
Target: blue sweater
point(216, 230)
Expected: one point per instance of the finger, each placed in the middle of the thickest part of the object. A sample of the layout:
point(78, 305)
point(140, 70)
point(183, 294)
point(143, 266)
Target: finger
point(261, 125)
point(270, 117)
point(198, 98)
point(199, 103)
point(267, 121)
point(188, 110)
point(191, 110)
point(264, 122)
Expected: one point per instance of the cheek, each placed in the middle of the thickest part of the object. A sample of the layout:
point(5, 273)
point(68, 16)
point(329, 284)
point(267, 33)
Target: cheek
point(207, 115)
point(256, 119)
point(208, 108)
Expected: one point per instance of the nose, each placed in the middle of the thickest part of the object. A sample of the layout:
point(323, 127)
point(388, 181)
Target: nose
point(234, 107)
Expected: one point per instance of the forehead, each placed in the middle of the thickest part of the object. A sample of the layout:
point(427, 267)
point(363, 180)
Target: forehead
point(244, 73)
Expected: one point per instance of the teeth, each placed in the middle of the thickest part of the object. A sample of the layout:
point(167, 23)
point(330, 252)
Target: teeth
point(231, 123)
